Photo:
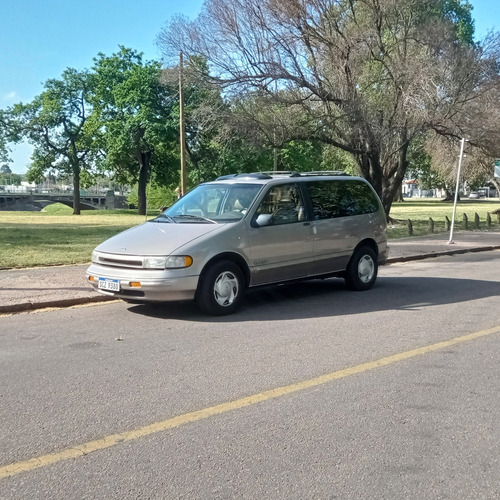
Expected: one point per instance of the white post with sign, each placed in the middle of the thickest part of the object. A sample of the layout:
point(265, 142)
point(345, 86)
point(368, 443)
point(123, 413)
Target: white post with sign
point(456, 189)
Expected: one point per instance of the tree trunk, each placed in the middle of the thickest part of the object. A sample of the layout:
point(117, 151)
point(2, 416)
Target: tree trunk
point(76, 190)
point(450, 196)
point(142, 183)
point(399, 194)
point(385, 180)
point(391, 186)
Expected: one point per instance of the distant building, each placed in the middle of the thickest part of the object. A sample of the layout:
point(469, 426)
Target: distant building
point(25, 187)
point(411, 189)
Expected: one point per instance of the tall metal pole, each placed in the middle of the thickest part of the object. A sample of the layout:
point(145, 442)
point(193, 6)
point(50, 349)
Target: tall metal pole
point(182, 128)
point(456, 189)
point(275, 149)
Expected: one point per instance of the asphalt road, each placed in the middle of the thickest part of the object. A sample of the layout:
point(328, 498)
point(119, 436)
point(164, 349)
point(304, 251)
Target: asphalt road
point(310, 391)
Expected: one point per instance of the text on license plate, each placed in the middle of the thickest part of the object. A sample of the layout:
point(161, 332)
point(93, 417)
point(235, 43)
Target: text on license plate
point(107, 284)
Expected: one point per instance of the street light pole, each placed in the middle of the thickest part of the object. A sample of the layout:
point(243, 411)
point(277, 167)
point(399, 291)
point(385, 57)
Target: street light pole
point(456, 190)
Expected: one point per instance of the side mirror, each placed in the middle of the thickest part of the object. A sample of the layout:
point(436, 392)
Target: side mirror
point(264, 220)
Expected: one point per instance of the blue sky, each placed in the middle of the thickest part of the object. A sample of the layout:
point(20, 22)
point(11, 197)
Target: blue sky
point(39, 39)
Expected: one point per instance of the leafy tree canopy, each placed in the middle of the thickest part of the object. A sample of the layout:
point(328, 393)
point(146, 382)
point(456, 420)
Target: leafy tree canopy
point(133, 114)
point(10, 178)
point(367, 77)
point(54, 123)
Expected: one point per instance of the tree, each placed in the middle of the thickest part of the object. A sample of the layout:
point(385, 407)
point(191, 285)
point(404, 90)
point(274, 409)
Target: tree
point(132, 113)
point(54, 123)
point(3, 141)
point(12, 179)
point(276, 128)
point(420, 167)
point(7, 135)
point(216, 141)
point(5, 169)
point(477, 165)
point(246, 134)
point(365, 76)
point(204, 111)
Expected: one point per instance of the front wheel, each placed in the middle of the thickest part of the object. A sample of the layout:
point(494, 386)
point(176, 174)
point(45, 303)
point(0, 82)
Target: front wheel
point(362, 269)
point(221, 288)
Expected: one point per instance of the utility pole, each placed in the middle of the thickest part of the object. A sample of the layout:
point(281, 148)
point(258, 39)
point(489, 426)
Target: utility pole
point(182, 128)
point(275, 149)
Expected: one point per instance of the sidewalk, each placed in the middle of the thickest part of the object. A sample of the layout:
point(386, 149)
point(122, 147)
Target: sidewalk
point(64, 286)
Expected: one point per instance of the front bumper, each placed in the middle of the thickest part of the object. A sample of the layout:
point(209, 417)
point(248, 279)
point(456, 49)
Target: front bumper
point(155, 286)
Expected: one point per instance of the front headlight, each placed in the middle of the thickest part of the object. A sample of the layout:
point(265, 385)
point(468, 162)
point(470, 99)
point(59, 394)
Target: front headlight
point(169, 262)
point(95, 257)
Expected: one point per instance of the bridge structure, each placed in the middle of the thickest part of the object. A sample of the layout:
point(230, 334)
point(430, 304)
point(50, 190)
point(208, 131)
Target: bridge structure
point(37, 201)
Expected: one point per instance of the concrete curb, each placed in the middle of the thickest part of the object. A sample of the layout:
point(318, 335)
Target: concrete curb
point(31, 306)
point(409, 258)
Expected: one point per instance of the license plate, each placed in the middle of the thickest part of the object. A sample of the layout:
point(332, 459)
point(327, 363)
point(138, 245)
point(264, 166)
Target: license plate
point(107, 284)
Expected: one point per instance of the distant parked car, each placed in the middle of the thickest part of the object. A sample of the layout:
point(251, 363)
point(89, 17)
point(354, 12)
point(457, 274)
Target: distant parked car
point(474, 195)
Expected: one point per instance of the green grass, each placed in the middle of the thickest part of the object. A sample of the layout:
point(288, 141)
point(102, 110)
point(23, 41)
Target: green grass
point(420, 210)
point(56, 237)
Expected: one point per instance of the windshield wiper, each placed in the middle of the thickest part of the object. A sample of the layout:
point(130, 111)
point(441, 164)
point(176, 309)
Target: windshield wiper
point(195, 218)
point(163, 216)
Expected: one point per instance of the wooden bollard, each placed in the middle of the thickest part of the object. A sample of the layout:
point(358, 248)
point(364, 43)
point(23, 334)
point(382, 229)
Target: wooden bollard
point(476, 220)
point(447, 223)
point(488, 219)
point(410, 228)
point(431, 225)
point(466, 222)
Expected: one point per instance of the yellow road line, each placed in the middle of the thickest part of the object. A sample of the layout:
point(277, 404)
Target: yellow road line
point(171, 423)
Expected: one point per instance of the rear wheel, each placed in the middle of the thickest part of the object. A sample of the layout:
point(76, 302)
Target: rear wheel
point(221, 288)
point(361, 272)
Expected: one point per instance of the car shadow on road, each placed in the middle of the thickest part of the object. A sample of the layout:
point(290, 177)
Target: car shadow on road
point(330, 298)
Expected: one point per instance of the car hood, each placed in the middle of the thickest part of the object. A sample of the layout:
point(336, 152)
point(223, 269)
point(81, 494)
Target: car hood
point(156, 238)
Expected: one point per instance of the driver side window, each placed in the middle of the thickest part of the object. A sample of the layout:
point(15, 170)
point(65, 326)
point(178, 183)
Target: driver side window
point(283, 205)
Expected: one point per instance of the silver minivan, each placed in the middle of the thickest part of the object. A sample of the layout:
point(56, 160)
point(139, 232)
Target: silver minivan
point(243, 231)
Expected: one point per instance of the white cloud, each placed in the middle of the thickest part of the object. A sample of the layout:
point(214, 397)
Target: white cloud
point(10, 96)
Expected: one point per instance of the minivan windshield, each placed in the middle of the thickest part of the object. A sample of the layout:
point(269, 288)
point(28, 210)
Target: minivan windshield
point(212, 203)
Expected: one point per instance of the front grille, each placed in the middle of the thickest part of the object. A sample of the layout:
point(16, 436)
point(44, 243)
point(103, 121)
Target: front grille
point(125, 261)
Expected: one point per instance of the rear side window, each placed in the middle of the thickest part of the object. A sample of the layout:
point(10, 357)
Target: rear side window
point(332, 199)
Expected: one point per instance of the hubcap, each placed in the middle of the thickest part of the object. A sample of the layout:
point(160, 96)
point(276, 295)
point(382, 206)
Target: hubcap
point(226, 288)
point(366, 269)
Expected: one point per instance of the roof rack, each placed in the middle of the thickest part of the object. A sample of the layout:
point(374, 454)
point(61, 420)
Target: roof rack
point(292, 173)
point(269, 174)
point(255, 175)
point(289, 173)
point(325, 172)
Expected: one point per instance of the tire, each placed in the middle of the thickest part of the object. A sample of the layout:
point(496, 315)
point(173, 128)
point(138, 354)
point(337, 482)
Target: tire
point(221, 288)
point(361, 272)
